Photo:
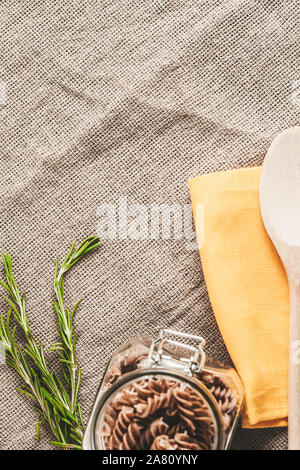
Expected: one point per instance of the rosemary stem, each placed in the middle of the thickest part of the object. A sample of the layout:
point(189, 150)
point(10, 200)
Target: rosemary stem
point(57, 403)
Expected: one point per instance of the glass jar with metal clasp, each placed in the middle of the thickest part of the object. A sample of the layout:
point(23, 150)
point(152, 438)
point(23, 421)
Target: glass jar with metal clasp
point(165, 394)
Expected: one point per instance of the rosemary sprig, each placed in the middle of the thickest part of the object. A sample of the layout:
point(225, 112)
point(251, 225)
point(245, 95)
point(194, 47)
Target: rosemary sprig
point(32, 388)
point(35, 351)
point(57, 404)
point(67, 343)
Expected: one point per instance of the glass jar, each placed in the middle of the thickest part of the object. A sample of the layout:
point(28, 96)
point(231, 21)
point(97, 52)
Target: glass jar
point(165, 395)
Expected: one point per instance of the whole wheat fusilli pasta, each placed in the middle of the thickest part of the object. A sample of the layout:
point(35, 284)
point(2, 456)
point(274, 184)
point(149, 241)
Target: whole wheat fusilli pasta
point(163, 414)
point(138, 417)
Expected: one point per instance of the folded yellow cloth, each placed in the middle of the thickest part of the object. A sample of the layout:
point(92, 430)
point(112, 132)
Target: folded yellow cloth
point(248, 289)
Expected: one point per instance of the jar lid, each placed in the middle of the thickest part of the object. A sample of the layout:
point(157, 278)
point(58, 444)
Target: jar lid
point(158, 409)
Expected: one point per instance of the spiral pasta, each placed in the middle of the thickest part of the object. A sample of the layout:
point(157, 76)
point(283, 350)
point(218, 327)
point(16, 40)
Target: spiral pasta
point(163, 442)
point(156, 428)
point(137, 418)
point(163, 414)
point(223, 394)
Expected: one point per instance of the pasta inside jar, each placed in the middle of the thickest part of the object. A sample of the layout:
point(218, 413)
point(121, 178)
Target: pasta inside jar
point(158, 412)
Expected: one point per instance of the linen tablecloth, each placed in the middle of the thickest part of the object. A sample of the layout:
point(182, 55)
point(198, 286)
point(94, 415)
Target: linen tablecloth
point(107, 99)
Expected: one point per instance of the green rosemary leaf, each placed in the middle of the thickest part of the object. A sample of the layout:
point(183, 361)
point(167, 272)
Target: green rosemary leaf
point(8, 321)
point(38, 433)
point(6, 287)
point(65, 446)
point(20, 390)
point(75, 309)
point(67, 362)
point(75, 437)
point(56, 348)
point(14, 308)
point(65, 377)
point(77, 385)
point(80, 416)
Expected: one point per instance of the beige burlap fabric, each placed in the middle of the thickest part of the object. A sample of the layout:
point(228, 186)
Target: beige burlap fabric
point(102, 99)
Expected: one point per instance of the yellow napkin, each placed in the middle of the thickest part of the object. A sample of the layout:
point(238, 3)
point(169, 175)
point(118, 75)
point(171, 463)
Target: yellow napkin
point(247, 287)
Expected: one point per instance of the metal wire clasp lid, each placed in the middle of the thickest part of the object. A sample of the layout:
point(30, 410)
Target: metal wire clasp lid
point(194, 363)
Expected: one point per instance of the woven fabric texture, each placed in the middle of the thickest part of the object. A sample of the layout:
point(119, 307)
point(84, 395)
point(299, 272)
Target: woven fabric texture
point(103, 99)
